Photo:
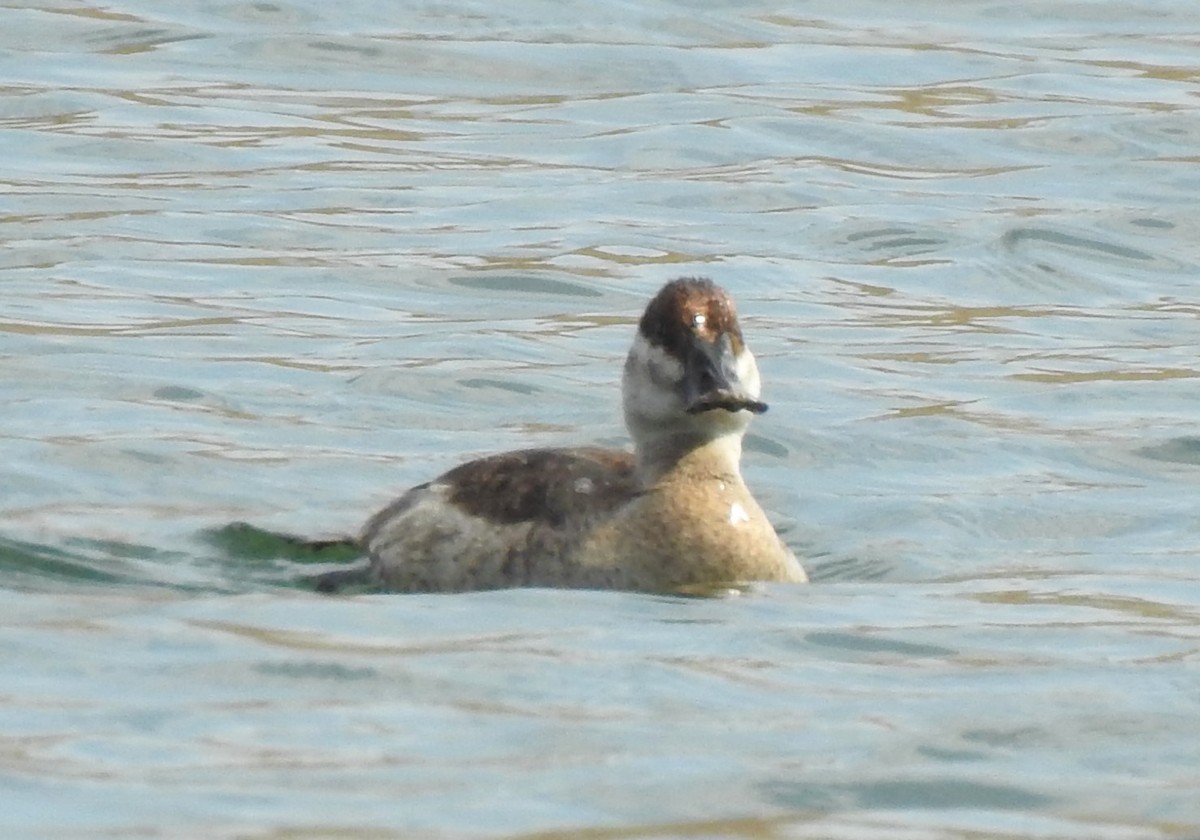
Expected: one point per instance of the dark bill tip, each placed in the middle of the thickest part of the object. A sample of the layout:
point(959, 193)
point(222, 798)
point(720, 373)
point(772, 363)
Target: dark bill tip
point(727, 402)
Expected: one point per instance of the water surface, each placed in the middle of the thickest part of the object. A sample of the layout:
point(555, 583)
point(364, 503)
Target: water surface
point(276, 261)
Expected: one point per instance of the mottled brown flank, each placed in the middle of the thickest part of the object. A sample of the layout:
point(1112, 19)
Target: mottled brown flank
point(670, 319)
point(549, 486)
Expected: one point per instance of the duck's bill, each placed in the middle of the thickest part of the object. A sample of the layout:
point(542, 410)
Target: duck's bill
point(727, 402)
point(712, 380)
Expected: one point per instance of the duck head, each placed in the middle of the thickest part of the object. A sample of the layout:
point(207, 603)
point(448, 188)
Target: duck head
point(689, 376)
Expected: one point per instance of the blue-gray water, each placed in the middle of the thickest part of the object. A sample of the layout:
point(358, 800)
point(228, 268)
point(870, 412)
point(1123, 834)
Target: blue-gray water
point(276, 261)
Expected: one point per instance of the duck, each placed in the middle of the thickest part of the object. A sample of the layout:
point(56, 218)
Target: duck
point(674, 515)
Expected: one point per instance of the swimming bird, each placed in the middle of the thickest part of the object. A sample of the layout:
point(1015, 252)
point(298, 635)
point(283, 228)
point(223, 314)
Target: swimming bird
point(674, 515)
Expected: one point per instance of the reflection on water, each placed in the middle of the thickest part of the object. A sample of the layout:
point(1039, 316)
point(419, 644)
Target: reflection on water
point(275, 262)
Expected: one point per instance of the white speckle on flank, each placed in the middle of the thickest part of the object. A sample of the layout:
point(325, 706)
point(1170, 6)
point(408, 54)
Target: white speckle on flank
point(737, 514)
point(584, 485)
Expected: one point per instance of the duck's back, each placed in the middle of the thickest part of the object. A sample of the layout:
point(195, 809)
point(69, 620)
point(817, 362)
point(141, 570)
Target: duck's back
point(514, 519)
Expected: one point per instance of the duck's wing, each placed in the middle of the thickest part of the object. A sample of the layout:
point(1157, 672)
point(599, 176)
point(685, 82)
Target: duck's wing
point(511, 519)
point(548, 486)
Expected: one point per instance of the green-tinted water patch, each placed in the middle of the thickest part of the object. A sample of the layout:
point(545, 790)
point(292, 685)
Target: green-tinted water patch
point(253, 544)
point(256, 556)
point(30, 561)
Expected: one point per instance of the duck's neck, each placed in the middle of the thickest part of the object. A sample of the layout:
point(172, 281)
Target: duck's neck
point(689, 456)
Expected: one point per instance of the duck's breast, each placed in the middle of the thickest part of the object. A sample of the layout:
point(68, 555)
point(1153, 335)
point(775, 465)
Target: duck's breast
point(683, 534)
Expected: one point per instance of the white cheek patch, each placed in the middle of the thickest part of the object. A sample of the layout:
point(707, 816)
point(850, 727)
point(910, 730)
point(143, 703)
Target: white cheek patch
point(660, 367)
point(651, 381)
point(747, 371)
